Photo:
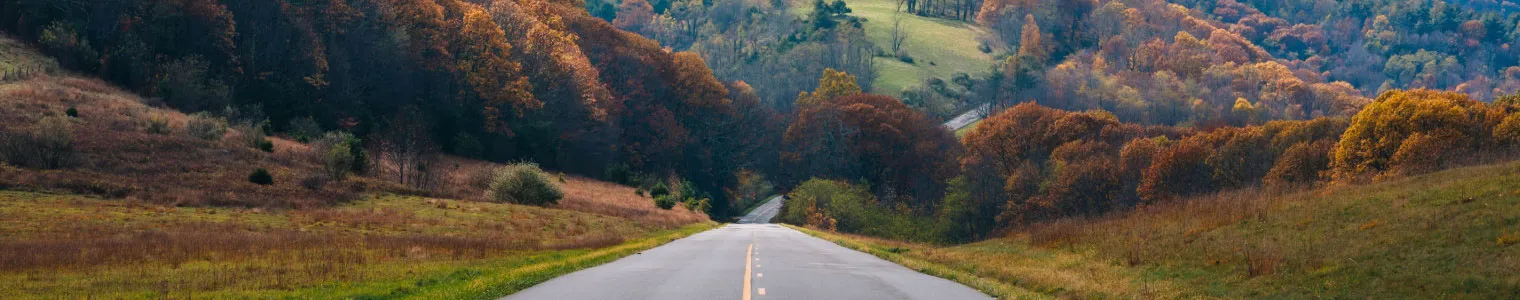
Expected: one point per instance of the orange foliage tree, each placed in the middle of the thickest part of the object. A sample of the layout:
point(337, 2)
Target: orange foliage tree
point(1051, 162)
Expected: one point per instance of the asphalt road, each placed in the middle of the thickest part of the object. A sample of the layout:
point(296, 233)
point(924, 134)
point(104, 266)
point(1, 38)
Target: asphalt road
point(751, 262)
point(763, 213)
point(965, 119)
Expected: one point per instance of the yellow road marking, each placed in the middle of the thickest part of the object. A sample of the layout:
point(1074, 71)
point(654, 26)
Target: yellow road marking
point(759, 275)
point(762, 291)
point(748, 255)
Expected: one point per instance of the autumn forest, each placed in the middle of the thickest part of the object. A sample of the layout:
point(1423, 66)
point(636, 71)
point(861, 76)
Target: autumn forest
point(1096, 106)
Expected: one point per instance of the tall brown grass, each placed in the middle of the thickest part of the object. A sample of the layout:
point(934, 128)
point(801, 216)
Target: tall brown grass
point(1131, 237)
point(54, 239)
point(118, 158)
point(1188, 218)
point(218, 242)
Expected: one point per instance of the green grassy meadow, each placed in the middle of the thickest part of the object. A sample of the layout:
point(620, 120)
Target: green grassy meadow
point(939, 47)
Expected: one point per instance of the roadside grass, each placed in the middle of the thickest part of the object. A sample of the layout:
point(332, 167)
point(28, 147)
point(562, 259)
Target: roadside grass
point(1009, 271)
point(67, 246)
point(506, 281)
point(1445, 235)
point(940, 47)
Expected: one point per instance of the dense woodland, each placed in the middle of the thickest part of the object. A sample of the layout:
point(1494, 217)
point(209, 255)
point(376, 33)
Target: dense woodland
point(1101, 106)
point(1212, 63)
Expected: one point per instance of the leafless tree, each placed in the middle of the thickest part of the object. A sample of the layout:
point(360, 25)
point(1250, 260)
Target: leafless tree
point(406, 150)
point(897, 34)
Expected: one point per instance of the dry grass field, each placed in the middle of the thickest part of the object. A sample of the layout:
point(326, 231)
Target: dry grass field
point(75, 247)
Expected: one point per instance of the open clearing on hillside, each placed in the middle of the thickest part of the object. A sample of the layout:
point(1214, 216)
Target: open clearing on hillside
point(940, 48)
point(1450, 234)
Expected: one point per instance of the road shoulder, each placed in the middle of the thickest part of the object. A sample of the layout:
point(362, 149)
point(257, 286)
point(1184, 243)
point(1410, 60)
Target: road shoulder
point(507, 282)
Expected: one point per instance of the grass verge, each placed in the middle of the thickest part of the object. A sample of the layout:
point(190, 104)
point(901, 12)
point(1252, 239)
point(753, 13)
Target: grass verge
point(899, 253)
point(507, 281)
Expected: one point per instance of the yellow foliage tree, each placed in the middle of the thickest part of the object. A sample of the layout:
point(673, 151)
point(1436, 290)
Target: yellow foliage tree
point(1400, 129)
point(834, 84)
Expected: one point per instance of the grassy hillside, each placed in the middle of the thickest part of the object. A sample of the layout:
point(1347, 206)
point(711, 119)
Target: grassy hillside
point(154, 203)
point(1450, 234)
point(940, 48)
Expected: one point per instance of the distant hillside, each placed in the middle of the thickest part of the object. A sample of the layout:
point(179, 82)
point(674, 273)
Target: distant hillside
point(1381, 44)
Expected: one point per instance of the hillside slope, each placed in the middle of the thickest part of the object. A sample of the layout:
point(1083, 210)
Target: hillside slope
point(149, 202)
point(1449, 234)
point(533, 80)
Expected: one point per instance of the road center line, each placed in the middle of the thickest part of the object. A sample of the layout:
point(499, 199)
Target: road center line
point(748, 261)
